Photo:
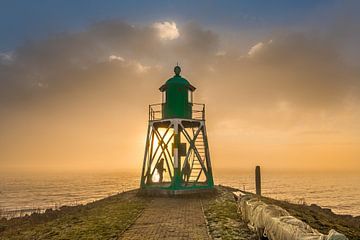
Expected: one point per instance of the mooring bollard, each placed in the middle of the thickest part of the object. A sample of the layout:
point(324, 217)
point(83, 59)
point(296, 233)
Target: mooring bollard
point(258, 180)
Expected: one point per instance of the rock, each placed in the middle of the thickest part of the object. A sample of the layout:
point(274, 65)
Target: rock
point(49, 210)
point(315, 206)
point(328, 210)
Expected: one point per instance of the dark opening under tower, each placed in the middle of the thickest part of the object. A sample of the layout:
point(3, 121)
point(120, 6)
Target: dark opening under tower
point(177, 157)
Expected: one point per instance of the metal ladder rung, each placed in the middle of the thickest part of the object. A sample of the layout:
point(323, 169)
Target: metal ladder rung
point(195, 176)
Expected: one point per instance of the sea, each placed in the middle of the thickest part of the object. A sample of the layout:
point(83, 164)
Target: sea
point(24, 193)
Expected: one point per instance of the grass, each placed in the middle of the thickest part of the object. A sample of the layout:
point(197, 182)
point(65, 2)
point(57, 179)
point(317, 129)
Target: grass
point(104, 219)
point(223, 220)
point(225, 223)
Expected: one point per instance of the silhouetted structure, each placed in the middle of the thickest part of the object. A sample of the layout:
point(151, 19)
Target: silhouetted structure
point(177, 140)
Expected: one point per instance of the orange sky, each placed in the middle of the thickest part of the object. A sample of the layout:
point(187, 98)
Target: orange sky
point(286, 102)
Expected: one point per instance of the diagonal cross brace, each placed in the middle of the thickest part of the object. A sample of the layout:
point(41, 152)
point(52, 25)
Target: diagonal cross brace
point(161, 142)
point(165, 150)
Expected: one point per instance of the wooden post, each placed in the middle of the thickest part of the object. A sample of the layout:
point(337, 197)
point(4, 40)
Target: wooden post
point(258, 180)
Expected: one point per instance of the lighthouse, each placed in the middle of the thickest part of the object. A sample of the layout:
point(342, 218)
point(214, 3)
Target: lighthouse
point(177, 156)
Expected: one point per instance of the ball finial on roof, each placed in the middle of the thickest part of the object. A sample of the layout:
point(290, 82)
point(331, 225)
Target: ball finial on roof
point(177, 70)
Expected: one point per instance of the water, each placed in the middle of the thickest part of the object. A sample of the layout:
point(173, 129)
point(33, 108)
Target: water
point(338, 191)
point(20, 194)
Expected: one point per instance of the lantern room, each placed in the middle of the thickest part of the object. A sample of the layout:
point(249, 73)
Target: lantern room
point(177, 98)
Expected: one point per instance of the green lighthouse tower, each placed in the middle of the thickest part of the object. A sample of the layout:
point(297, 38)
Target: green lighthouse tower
point(177, 156)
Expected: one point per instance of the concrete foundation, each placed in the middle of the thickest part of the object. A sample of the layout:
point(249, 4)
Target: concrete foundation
point(181, 192)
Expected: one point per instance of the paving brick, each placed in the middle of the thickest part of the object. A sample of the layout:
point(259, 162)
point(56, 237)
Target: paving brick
point(169, 218)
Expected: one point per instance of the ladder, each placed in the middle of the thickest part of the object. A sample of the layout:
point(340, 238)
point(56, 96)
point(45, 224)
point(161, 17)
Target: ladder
point(196, 168)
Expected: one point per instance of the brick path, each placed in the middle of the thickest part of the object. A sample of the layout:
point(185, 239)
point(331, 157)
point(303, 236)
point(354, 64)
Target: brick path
point(169, 218)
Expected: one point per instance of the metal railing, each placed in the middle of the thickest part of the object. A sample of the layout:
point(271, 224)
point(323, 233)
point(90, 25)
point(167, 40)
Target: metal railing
point(155, 111)
point(198, 111)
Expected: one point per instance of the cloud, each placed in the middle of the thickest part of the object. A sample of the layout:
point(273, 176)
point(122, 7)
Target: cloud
point(114, 57)
point(304, 70)
point(257, 47)
point(68, 61)
point(6, 58)
point(141, 68)
point(167, 30)
point(301, 69)
point(138, 66)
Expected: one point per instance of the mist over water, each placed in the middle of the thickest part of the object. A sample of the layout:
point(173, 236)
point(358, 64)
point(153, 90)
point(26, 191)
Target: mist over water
point(20, 194)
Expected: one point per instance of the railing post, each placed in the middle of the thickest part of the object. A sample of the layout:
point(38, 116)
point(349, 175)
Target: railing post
point(203, 114)
point(258, 180)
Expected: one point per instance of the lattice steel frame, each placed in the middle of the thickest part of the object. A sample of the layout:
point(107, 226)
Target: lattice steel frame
point(190, 130)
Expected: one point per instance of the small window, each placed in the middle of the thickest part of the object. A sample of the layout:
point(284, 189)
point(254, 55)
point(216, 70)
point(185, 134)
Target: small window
point(163, 97)
point(190, 96)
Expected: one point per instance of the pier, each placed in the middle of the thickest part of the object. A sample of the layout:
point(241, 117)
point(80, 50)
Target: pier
point(130, 216)
point(174, 218)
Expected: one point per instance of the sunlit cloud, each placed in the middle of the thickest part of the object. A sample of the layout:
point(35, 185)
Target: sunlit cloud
point(258, 47)
point(117, 58)
point(167, 30)
point(140, 67)
point(41, 85)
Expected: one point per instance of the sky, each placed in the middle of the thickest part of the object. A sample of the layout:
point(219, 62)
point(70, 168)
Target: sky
point(280, 80)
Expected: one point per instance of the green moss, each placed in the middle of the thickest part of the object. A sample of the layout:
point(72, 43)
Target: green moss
point(222, 218)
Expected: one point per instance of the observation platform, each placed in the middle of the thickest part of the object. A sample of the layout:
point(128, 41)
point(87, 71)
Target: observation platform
point(156, 116)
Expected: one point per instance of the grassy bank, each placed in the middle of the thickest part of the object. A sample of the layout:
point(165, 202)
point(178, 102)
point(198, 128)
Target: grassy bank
point(104, 219)
point(225, 223)
point(322, 219)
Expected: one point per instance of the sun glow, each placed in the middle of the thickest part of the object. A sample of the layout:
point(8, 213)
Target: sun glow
point(155, 176)
point(165, 139)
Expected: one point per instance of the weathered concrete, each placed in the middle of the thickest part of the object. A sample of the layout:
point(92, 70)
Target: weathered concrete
point(170, 218)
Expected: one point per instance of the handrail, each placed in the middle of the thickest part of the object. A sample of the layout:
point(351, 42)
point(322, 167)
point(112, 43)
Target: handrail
point(155, 111)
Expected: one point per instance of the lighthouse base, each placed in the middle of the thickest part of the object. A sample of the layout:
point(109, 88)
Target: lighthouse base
point(156, 192)
point(177, 159)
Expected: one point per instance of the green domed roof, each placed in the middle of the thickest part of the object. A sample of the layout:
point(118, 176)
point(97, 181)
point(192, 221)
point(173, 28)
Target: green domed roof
point(177, 79)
